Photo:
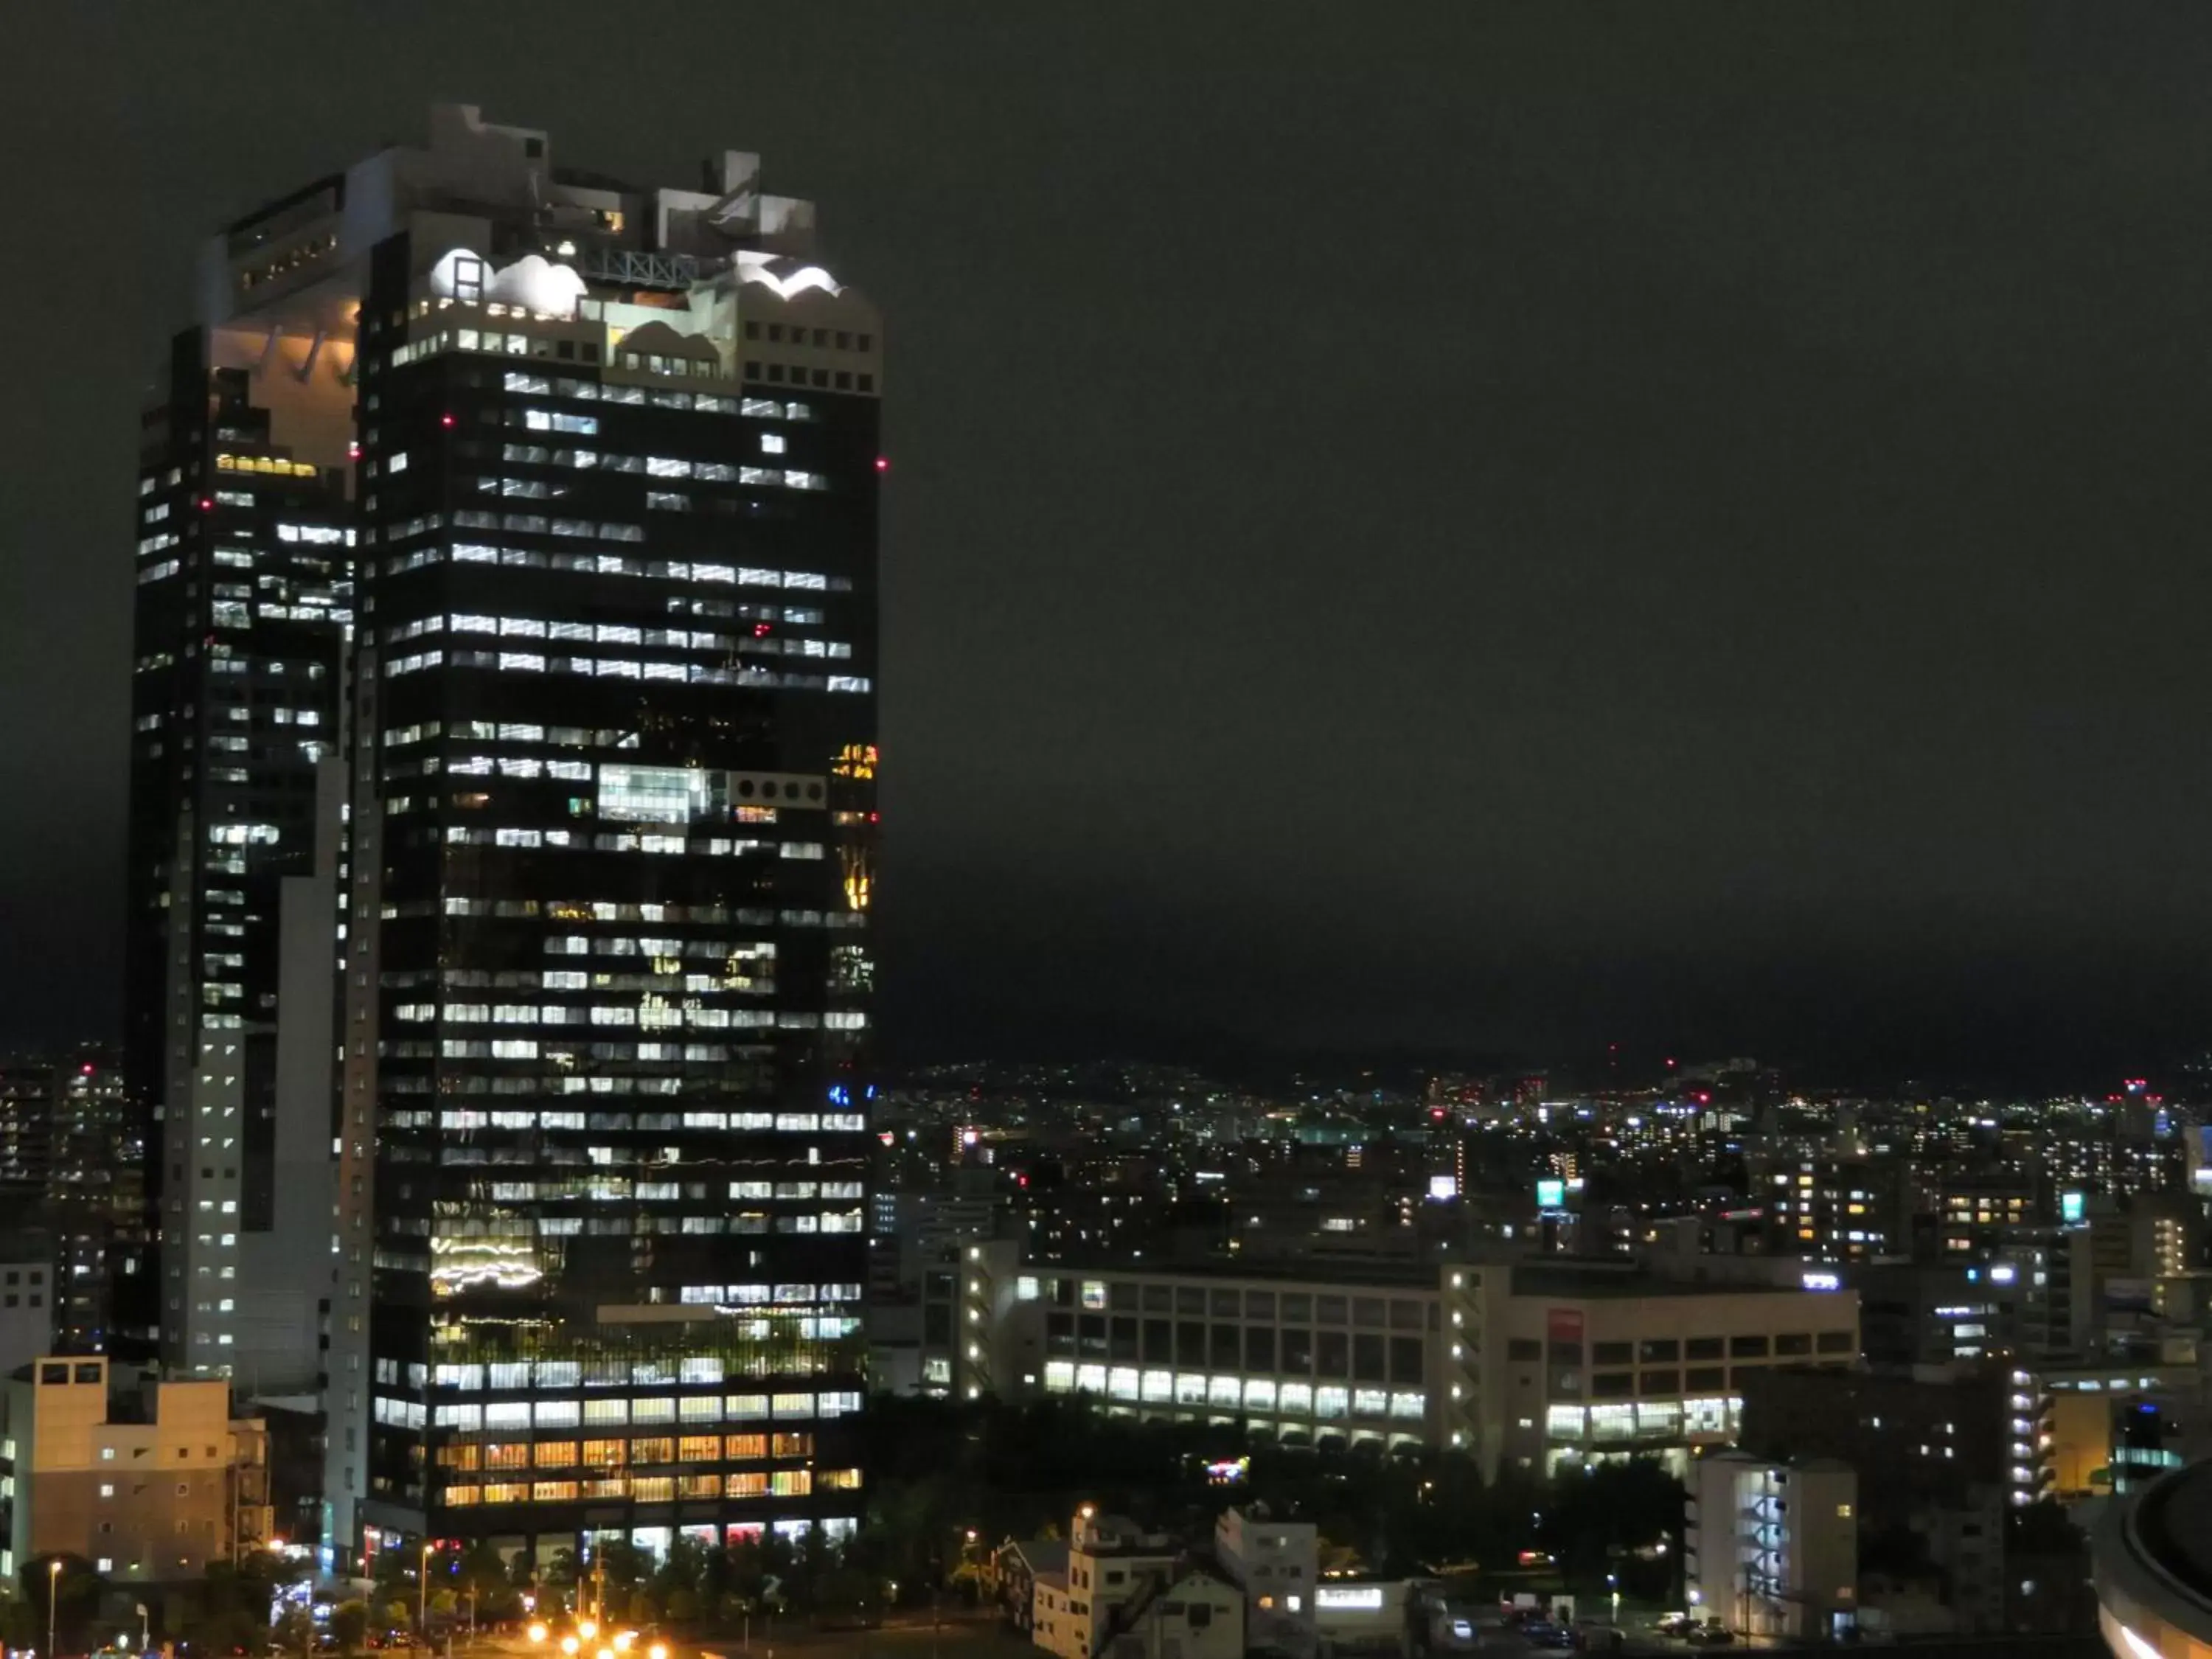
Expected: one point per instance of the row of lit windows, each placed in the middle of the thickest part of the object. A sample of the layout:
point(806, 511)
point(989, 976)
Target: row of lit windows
point(528, 662)
point(650, 466)
point(653, 1489)
point(604, 564)
point(545, 489)
point(614, 1413)
point(274, 465)
point(665, 639)
point(650, 1016)
point(464, 1117)
point(666, 1226)
point(704, 403)
point(666, 980)
point(527, 1047)
point(571, 736)
point(1702, 1415)
point(634, 842)
point(502, 1456)
point(1326, 1401)
point(567, 1084)
point(592, 910)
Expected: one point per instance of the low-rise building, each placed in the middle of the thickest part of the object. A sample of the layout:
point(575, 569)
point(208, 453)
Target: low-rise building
point(1276, 1563)
point(1539, 1365)
point(1771, 1548)
point(148, 1484)
point(1129, 1593)
point(1015, 1569)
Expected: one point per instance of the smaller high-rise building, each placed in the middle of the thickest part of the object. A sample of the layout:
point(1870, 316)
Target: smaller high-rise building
point(1772, 1548)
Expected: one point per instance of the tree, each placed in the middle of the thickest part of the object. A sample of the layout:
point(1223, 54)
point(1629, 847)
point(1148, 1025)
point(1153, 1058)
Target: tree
point(295, 1631)
point(228, 1608)
point(1597, 1521)
point(19, 1622)
point(350, 1625)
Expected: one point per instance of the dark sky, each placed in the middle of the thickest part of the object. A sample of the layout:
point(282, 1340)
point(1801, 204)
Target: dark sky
point(1476, 526)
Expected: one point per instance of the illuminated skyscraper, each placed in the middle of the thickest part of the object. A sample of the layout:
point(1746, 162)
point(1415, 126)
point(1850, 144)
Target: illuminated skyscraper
point(598, 1243)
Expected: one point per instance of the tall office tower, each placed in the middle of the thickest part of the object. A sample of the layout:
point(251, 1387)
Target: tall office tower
point(597, 1249)
point(243, 611)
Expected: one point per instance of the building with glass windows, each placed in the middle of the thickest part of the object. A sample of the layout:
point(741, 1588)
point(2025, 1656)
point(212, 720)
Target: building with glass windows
point(243, 616)
point(1538, 1365)
point(604, 460)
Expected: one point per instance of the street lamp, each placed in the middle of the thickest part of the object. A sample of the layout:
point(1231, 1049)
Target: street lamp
point(423, 1596)
point(53, 1595)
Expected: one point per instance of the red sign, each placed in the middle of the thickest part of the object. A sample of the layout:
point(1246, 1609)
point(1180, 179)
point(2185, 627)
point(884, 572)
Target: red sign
point(1564, 1324)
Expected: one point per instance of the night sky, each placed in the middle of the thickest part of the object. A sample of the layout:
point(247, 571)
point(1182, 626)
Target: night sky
point(1456, 527)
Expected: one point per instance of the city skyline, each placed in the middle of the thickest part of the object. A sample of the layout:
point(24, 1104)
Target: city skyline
point(1281, 836)
point(1695, 584)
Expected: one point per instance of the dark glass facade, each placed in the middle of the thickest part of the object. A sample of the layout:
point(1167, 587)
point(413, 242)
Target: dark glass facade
point(242, 613)
point(613, 836)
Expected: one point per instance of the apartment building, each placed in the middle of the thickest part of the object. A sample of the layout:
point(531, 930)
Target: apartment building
point(1134, 1594)
point(148, 1483)
point(1772, 1548)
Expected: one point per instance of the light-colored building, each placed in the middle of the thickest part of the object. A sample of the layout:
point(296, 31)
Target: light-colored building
point(1772, 1548)
point(29, 1298)
point(1536, 1365)
point(148, 1484)
point(1132, 1593)
point(1277, 1565)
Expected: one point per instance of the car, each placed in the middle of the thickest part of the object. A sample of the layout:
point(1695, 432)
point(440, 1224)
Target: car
point(1676, 1623)
point(1712, 1636)
point(1542, 1633)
